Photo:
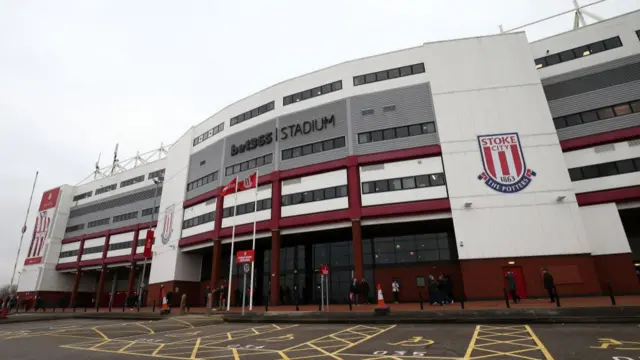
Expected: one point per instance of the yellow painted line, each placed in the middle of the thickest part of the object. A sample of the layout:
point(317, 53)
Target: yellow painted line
point(195, 349)
point(235, 354)
point(95, 328)
point(365, 339)
point(284, 357)
point(403, 356)
point(96, 345)
point(155, 352)
point(543, 349)
point(182, 321)
point(325, 352)
point(472, 343)
point(150, 330)
point(126, 347)
point(131, 353)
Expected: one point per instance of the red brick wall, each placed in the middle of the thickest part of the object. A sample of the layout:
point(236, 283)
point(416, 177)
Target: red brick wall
point(618, 269)
point(407, 275)
point(574, 274)
point(191, 288)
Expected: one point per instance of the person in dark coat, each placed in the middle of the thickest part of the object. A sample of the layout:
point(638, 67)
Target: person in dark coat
point(434, 293)
point(549, 284)
point(512, 287)
point(354, 291)
point(444, 285)
point(365, 290)
point(206, 294)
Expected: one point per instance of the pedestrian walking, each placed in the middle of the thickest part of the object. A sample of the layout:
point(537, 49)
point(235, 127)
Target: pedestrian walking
point(444, 285)
point(395, 288)
point(365, 290)
point(435, 297)
point(206, 295)
point(354, 291)
point(549, 284)
point(512, 287)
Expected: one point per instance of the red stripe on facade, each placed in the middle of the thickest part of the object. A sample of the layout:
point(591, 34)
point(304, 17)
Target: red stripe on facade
point(516, 159)
point(488, 158)
point(417, 207)
point(104, 233)
point(504, 165)
point(607, 196)
point(70, 265)
point(201, 198)
point(599, 139)
point(118, 259)
point(314, 219)
point(397, 155)
point(206, 236)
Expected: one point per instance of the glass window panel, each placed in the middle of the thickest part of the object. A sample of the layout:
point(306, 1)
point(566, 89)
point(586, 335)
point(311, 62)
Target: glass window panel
point(327, 145)
point(409, 183)
point(269, 107)
point(431, 255)
point(306, 94)
point(415, 130)
point(382, 185)
point(575, 174)
point(436, 179)
point(318, 195)
point(358, 80)
point(444, 254)
point(613, 43)
point(286, 100)
point(589, 116)
point(395, 184)
point(383, 244)
point(553, 59)
point(417, 68)
point(369, 78)
point(307, 196)
point(389, 134)
point(607, 169)
point(364, 138)
point(268, 159)
point(376, 135)
point(590, 172)
point(260, 160)
point(367, 188)
point(605, 113)
point(430, 128)
point(336, 86)
point(342, 191)
point(625, 166)
point(329, 193)
point(394, 73)
point(339, 142)
point(406, 256)
point(252, 164)
point(422, 181)
point(244, 166)
point(402, 131)
point(296, 198)
point(573, 120)
point(382, 75)
point(286, 200)
point(318, 91)
point(236, 168)
point(326, 88)
point(296, 152)
point(623, 109)
point(636, 163)
point(306, 149)
point(597, 47)
point(443, 241)
point(581, 51)
point(540, 63)
point(317, 147)
point(405, 70)
point(567, 55)
point(635, 106)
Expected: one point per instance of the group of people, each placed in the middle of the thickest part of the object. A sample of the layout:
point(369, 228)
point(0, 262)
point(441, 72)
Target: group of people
point(359, 291)
point(218, 297)
point(547, 281)
point(440, 290)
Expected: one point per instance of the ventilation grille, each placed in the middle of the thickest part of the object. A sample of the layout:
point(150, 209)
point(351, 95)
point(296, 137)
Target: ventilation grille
point(292, 182)
point(634, 142)
point(123, 200)
point(366, 112)
point(604, 148)
point(389, 108)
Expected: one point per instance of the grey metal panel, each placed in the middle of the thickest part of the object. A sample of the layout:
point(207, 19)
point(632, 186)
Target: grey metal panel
point(592, 69)
point(595, 99)
point(339, 110)
point(414, 105)
point(240, 138)
point(603, 78)
point(596, 127)
point(147, 192)
point(211, 156)
point(203, 189)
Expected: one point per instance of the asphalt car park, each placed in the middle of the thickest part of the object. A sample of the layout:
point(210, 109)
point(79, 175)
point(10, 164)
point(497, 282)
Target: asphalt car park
point(200, 337)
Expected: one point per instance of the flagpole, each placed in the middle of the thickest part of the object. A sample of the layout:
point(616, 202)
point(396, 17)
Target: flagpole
point(233, 236)
point(24, 229)
point(253, 246)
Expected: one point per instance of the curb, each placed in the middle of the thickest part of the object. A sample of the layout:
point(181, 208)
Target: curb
point(107, 316)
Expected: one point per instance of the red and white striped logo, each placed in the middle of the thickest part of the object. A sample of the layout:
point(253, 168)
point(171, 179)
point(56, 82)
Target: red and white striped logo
point(40, 233)
point(167, 227)
point(505, 169)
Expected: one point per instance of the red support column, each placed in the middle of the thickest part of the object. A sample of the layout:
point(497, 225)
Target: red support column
point(74, 291)
point(217, 221)
point(132, 276)
point(358, 264)
point(103, 274)
point(105, 248)
point(276, 200)
point(216, 263)
point(80, 250)
point(275, 267)
point(136, 236)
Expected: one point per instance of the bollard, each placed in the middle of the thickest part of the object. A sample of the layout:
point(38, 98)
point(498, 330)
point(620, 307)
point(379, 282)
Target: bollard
point(421, 302)
point(506, 298)
point(74, 308)
point(462, 301)
point(63, 308)
point(85, 309)
point(350, 304)
point(320, 304)
point(54, 309)
point(297, 303)
point(183, 304)
point(110, 307)
point(613, 298)
point(154, 306)
point(555, 292)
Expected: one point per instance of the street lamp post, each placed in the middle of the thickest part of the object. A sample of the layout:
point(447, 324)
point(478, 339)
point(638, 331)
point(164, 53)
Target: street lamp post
point(158, 181)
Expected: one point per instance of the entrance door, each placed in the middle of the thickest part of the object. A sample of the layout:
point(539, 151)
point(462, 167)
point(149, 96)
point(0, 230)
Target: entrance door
point(521, 285)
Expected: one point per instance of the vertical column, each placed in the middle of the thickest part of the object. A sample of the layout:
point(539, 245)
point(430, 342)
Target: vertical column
point(80, 250)
point(217, 221)
point(103, 274)
point(276, 200)
point(136, 236)
point(358, 264)
point(275, 267)
point(74, 291)
point(132, 276)
point(216, 263)
point(105, 249)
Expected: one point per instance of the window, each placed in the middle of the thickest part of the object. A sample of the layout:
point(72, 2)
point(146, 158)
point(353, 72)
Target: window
point(389, 108)
point(603, 113)
point(156, 174)
point(311, 93)
point(388, 74)
point(412, 248)
point(404, 183)
point(209, 178)
point(121, 245)
point(246, 165)
point(82, 196)
point(69, 253)
point(308, 149)
point(147, 212)
point(210, 133)
point(115, 201)
point(309, 196)
point(199, 220)
point(100, 222)
point(247, 208)
point(605, 169)
point(93, 250)
point(74, 228)
point(252, 113)
point(366, 112)
point(397, 132)
point(578, 52)
point(124, 217)
point(135, 180)
point(105, 189)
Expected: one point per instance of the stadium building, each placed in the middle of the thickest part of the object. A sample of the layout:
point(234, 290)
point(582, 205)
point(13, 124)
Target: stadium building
point(465, 157)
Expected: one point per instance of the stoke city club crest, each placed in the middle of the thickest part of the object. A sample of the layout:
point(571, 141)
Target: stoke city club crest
point(167, 227)
point(505, 169)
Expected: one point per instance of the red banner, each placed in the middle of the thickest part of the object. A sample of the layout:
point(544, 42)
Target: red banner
point(324, 269)
point(148, 243)
point(49, 199)
point(230, 188)
point(244, 256)
point(32, 261)
point(249, 182)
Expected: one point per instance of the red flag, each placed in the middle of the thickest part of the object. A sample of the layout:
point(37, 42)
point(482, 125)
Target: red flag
point(249, 182)
point(230, 188)
point(148, 243)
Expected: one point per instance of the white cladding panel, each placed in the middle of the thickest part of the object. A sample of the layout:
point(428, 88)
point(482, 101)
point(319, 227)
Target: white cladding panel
point(607, 183)
point(624, 26)
point(397, 169)
point(481, 97)
point(117, 179)
point(264, 192)
point(197, 210)
point(199, 229)
point(315, 207)
point(399, 196)
point(140, 249)
point(94, 242)
point(247, 218)
point(29, 278)
point(313, 182)
point(68, 259)
point(167, 258)
point(70, 246)
point(604, 229)
point(119, 238)
point(601, 154)
point(119, 252)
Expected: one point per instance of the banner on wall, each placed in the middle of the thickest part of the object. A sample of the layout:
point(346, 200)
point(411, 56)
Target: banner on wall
point(42, 226)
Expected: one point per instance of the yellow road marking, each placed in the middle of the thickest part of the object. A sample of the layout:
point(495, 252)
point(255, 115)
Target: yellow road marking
point(126, 347)
point(544, 350)
point(472, 343)
point(157, 350)
point(284, 357)
point(95, 328)
point(324, 352)
point(365, 339)
point(98, 344)
point(182, 321)
point(235, 354)
point(151, 332)
point(195, 349)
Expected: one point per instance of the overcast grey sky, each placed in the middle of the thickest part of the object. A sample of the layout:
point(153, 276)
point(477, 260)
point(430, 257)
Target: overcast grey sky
point(77, 77)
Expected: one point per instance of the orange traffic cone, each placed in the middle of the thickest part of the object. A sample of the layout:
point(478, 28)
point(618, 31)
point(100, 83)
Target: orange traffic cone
point(380, 297)
point(165, 306)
